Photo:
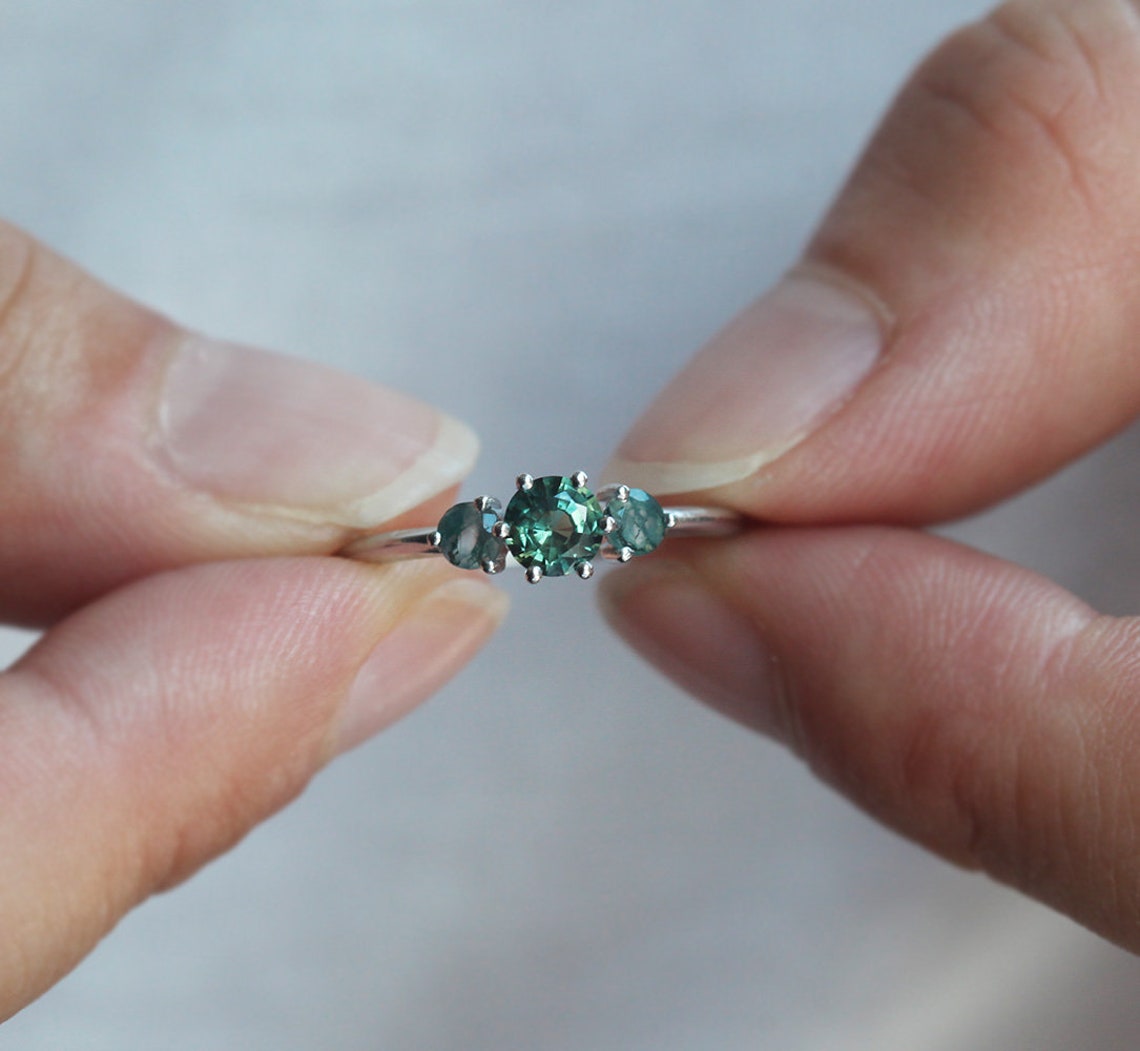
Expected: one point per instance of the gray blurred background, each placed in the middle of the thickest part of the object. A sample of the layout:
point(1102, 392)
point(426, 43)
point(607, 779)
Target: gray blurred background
point(529, 213)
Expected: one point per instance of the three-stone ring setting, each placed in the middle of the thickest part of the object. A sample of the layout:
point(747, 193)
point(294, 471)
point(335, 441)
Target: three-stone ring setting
point(551, 526)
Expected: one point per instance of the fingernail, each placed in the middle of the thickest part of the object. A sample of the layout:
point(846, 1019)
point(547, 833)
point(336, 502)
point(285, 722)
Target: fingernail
point(302, 439)
point(698, 640)
point(756, 390)
point(429, 644)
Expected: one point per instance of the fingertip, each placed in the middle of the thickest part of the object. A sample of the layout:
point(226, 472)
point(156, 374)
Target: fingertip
point(969, 704)
point(149, 732)
point(706, 642)
point(285, 436)
point(757, 389)
point(432, 641)
point(994, 215)
point(214, 692)
point(136, 446)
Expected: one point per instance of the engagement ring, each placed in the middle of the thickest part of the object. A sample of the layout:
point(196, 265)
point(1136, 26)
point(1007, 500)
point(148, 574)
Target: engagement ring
point(551, 526)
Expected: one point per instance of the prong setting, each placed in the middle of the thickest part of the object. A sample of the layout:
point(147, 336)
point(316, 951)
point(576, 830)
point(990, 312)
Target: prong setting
point(552, 526)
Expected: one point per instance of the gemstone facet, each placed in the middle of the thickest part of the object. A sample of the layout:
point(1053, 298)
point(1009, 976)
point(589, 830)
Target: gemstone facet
point(465, 536)
point(641, 523)
point(554, 525)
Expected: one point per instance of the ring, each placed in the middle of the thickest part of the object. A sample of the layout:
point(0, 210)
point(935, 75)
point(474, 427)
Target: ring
point(551, 526)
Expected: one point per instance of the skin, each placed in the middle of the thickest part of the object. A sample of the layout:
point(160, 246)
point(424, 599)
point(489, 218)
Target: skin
point(994, 223)
point(183, 690)
point(998, 207)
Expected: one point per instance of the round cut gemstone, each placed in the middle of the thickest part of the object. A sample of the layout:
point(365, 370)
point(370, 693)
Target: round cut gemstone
point(640, 521)
point(465, 536)
point(554, 525)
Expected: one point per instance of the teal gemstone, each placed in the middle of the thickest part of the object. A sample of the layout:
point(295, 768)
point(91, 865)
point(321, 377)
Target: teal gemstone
point(465, 536)
point(554, 525)
point(641, 522)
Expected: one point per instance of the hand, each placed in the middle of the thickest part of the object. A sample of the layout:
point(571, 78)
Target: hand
point(184, 691)
point(966, 321)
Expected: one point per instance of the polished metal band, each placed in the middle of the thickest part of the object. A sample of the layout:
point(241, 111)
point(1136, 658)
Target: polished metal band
point(552, 525)
point(402, 544)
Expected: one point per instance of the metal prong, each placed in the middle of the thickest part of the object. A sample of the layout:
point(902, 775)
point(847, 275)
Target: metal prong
point(483, 503)
point(585, 570)
point(625, 554)
point(533, 574)
point(524, 482)
point(670, 521)
point(579, 478)
point(490, 567)
point(435, 539)
point(609, 524)
point(622, 493)
point(501, 529)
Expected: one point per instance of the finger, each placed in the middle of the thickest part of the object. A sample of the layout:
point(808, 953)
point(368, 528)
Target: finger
point(130, 445)
point(150, 731)
point(970, 704)
point(965, 319)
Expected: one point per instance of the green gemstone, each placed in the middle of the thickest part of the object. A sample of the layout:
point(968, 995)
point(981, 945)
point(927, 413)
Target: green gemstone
point(554, 525)
point(465, 536)
point(641, 522)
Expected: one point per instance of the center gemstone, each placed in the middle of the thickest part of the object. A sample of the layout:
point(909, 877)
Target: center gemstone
point(554, 525)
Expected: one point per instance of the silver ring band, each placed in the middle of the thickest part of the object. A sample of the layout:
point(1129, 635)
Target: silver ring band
point(552, 525)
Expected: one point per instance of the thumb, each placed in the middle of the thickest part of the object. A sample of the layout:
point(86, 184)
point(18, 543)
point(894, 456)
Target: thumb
point(131, 445)
point(964, 321)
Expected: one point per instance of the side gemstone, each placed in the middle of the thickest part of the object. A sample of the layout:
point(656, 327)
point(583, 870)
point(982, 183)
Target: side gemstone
point(641, 522)
point(465, 536)
point(554, 525)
